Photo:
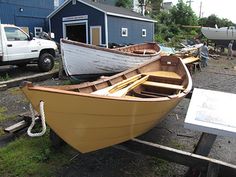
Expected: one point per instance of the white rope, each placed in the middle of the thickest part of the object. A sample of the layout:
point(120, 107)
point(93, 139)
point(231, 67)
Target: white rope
point(41, 106)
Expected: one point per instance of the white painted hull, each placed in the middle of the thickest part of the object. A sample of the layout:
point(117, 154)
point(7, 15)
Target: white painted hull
point(79, 60)
point(219, 33)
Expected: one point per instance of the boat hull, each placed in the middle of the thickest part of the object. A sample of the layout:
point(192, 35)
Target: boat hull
point(90, 123)
point(92, 115)
point(82, 60)
point(219, 33)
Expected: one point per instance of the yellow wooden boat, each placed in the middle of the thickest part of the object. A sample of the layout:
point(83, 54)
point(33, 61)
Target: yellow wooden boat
point(94, 115)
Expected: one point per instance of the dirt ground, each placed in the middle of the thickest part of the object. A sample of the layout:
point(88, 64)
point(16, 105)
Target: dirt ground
point(220, 75)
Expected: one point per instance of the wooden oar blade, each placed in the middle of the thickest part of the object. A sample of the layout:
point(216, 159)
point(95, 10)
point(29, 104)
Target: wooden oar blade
point(125, 90)
point(118, 86)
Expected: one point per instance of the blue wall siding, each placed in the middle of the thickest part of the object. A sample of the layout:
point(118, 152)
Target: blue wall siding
point(33, 15)
point(95, 18)
point(134, 30)
point(44, 4)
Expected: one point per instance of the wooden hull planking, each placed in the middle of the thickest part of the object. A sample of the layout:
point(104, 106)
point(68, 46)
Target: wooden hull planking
point(89, 122)
point(84, 60)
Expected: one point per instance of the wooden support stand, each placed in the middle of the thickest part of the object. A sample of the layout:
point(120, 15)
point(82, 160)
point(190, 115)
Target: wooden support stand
point(209, 166)
point(197, 65)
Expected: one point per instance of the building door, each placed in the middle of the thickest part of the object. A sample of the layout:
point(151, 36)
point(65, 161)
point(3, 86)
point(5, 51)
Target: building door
point(95, 35)
point(76, 31)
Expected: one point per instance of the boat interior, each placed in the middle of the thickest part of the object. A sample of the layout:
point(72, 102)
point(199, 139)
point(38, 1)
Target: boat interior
point(147, 48)
point(164, 77)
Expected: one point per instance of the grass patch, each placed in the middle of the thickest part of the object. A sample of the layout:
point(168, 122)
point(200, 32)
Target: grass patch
point(32, 157)
point(3, 116)
point(15, 91)
point(162, 167)
point(2, 113)
point(5, 78)
point(1, 131)
point(175, 144)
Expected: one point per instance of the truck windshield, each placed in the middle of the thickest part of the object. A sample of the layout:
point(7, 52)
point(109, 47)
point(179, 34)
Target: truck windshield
point(14, 34)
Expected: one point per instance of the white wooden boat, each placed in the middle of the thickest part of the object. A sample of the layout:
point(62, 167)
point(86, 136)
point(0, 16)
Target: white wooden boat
point(94, 115)
point(82, 60)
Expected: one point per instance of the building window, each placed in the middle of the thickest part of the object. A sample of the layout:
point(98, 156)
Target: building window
point(37, 31)
point(73, 2)
point(124, 32)
point(144, 32)
point(56, 3)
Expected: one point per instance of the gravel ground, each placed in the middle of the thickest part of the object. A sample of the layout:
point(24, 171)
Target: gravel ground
point(220, 75)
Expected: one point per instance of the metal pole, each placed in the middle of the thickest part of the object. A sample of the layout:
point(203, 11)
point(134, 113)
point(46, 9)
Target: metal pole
point(200, 12)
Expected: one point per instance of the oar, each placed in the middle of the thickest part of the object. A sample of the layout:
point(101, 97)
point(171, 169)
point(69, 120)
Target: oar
point(117, 86)
point(125, 90)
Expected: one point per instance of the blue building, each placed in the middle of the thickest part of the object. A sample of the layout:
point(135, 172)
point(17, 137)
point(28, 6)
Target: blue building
point(28, 14)
point(99, 24)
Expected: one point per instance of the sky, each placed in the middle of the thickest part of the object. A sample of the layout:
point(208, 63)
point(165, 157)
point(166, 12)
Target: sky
point(222, 9)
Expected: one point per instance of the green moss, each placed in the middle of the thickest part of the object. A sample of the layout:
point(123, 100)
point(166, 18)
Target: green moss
point(32, 157)
point(175, 144)
point(15, 91)
point(5, 78)
point(2, 113)
point(161, 167)
point(1, 131)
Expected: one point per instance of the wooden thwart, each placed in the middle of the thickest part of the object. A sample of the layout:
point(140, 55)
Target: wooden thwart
point(165, 74)
point(164, 85)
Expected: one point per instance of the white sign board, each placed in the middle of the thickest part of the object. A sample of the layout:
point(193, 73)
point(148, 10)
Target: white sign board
point(80, 17)
point(212, 112)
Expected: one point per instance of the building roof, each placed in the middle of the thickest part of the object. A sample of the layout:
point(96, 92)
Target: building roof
point(107, 9)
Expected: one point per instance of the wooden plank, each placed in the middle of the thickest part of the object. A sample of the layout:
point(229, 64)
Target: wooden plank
point(32, 78)
point(164, 85)
point(164, 74)
point(205, 144)
point(179, 156)
point(202, 148)
point(189, 60)
point(213, 170)
point(15, 127)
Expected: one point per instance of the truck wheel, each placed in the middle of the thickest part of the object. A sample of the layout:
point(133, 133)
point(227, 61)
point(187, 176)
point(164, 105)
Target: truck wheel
point(46, 62)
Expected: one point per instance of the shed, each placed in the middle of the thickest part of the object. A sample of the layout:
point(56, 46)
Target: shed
point(30, 15)
point(99, 24)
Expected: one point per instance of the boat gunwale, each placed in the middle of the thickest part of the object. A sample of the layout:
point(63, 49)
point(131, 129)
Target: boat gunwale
point(114, 50)
point(135, 99)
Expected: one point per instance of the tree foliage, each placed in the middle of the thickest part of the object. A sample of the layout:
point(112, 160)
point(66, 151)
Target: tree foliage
point(124, 3)
point(169, 25)
point(182, 14)
point(213, 20)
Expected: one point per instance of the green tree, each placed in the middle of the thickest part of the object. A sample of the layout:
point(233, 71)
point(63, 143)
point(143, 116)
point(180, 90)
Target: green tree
point(182, 14)
point(213, 20)
point(124, 3)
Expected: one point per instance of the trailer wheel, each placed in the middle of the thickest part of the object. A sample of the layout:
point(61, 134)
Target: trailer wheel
point(56, 141)
point(46, 62)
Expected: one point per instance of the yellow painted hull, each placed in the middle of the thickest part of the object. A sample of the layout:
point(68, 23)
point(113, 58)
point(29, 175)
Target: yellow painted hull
point(89, 121)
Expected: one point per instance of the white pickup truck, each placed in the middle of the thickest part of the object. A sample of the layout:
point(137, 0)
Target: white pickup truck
point(19, 48)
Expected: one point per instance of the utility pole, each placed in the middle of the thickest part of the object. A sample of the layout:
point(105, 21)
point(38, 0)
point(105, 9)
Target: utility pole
point(200, 11)
point(190, 2)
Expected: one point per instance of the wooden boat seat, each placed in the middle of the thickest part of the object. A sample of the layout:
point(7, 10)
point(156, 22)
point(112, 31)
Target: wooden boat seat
point(165, 74)
point(145, 51)
point(190, 60)
point(163, 85)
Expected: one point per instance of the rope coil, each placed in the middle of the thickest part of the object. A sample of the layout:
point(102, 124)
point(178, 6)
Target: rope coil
point(44, 128)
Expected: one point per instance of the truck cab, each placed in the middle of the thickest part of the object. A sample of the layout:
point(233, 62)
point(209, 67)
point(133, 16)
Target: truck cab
point(19, 48)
